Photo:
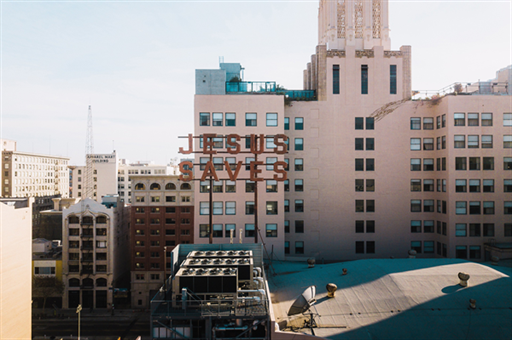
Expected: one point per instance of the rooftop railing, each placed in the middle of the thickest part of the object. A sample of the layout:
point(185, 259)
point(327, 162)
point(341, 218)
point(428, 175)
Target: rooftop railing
point(251, 87)
point(303, 95)
point(476, 88)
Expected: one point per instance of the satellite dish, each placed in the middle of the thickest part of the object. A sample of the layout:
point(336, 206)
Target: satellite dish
point(303, 302)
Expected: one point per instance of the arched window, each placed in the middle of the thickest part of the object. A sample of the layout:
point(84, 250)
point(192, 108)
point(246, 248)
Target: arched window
point(74, 282)
point(170, 186)
point(101, 219)
point(139, 186)
point(74, 219)
point(87, 220)
point(185, 186)
point(101, 282)
point(155, 186)
point(88, 282)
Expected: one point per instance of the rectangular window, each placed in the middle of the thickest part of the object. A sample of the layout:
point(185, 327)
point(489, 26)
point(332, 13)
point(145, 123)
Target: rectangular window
point(507, 119)
point(299, 205)
point(370, 226)
point(335, 79)
point(248, 161)
point(229, 228)
point(299, 185)
point(271, 230)
point(415, 205)
point(428, 226)
point(249, 208)
point(271, 208)
point(474, 208)
point(204, 208)
point(251, 119)
point(359, 145)
point(488, 185)
point(415, 226)
point(249, 230)
point(487, 119)
point(370, 164)
point(359, 205)
point(488, 163)
point(438, 122)
point(474, 163)
point(370, 144)
point(299, 164)
point(507, 207)
point(287, 247)
point(461, 208)
point(428, 164)
point(299, 247)
point(488, 229)
point(299, 123)
point(428, 247)
point(460, 185)
point(486, 141)
point(474, 229)
point(415, 144)
point(460, 230)
point(270, 162)
point(428, 123)
point(370, 185)
point(443, 143)
point(473, 142)
point(415, 184)
point(359, 247)
point(359, 124)
point(286, 205)
point(459, 119)
point(364, 79)
point(461, 252)
point(370, 123)
point(507, 141)
point(230, 119)
point(272, 119)
point(428, 205)
point(392, 79)
point(204, 230)
point(416, 245)
point(299, 226)
point(474, 185)
point(271, 185)
point(507, 185)
point(230, 186)
point(507, 163)
point(473, 119)
point(459, 141)
point(230, 208)
point(415, 123)
point(204, 119)
point(299, 144)
point(370, 247)
point(415, 164)
point(359, 226)
point(286, 226)
point(370, 205)
point(217, 119)
point(428, 185)
point(287, 123)
point(507, 229)
point(217, 230)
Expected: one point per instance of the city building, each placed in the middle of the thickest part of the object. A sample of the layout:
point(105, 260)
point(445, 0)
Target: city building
point(47, 283)
point(94, 249)
point(15, 271)
point(373, 171)
point(162, 217)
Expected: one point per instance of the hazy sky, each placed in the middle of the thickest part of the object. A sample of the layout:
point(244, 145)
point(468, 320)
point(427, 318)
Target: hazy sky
point(134, 62)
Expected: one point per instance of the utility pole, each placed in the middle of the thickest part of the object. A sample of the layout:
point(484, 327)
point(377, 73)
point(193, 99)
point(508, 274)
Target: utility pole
point(78, 310)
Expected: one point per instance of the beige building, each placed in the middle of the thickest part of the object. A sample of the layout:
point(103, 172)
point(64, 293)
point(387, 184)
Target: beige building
point(94, 247)
point(372, 173)
point(15, 275)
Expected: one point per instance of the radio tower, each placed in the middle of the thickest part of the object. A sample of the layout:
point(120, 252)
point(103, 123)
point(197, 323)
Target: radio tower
point(89, 165)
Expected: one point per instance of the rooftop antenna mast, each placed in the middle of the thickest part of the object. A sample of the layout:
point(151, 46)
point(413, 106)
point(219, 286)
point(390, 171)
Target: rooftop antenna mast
point(89, 165)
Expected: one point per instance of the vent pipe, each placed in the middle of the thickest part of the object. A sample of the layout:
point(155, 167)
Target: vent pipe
point(472, 303)
point(412, 254)
point(464, 277)
point(345, 271)
point(311, 263)
point(331, 290)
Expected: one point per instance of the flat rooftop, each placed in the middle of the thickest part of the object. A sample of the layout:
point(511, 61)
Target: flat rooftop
point(397, 299)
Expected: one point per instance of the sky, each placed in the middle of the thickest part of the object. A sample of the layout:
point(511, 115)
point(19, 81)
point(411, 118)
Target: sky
point(134, 62)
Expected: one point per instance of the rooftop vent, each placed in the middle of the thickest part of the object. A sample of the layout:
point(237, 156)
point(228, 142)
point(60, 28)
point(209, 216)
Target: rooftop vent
point(464, 277)
point(331, 290)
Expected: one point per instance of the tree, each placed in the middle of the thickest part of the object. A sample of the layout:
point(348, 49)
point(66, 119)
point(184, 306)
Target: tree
point(46, 287)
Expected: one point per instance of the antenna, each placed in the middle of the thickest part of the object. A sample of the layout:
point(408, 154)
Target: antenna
point(89, 165)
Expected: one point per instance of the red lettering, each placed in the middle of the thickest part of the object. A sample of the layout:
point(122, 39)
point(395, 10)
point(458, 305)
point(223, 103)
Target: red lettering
point(230, 142)
point(280, 171)
point(255, 171)
point(190, 145)
point(280, 144)
point(254, 144)
point(208, 144)
point(233, 177)
point(209, 171)
point(186, 174)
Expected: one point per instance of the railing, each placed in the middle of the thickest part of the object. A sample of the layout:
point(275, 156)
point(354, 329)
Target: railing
point(476, 88)
point(305, 95)
point(251, 87)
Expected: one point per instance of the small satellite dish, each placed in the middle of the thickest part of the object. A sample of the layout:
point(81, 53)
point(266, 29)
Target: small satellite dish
point(303, 302)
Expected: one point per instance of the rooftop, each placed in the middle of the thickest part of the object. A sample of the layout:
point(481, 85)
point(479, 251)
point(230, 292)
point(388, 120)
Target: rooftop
point(398, 299)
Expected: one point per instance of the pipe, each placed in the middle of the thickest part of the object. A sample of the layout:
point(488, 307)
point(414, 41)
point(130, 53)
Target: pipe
point(258, 269)
point(261, 291)
point(259, 281)
point(250, 298)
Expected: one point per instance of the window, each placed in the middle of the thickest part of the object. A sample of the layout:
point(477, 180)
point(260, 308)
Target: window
point(428, 185)
point(474, 185)
point(416, 245)
point(443, 144)
point(101, 244)
point(229, 228)
point(459, 141)
point(487, 119)
point(270, 162)
point(460, 230)
point(370, 185)
point(218, 163)
point(474, 229)
point(299, 123)
point(507, 185)
point(249, 230)
point(415, 205)
point(299, 205)
point(230, 119)
point(428, 205)
point(507, 119)
point(359, 164)
point(415, 164)
point(271, 208)
point(428, 123)
point(488, 229)
point(473, 142)
point(507, 163)
point(370, 205)
point(359, 123)
point(359, 205)
point(428, 164)
point(370, 164)
point(217, 230)
point(335, 79)
point(428, 226)
point(438, 122)
point(472, 119)
point(204, 208)
point(359, 247)
point(299, 164)
point(359, 144)
point(392, 79)
point(507, 229)
point(287, 123)
point(170, 210)
point(415, 184)
point(370, 123)
point(415, 226)
point(488, 163)
point(249, 186)
point(217, 119)
point(370, 144)
point(230, 208)
point(287, 185)
point(415, 123)
point(250, 119)
point(474, 163)
point(488, 185)
point(286, 247)
point(272, 119)
point(155, 198)
point(271, 230)
point(286, 205)
point(507, 207)
point(299, 144)
point(204, 230)
point(170, 232)
point(428, 247)
point(461, 252)
point(460, 185)
point(299, 185)
point(460, 208)
point(364, 79)
point(459, 119)
point(507, 141)
point(249, 208)
point(415, 144)
point(359, 226)
point(438, 142)
point(299, 247)
point(486, 141)
point(474, 208)
point(204, 186)
point(170, 198)
point(204, 119)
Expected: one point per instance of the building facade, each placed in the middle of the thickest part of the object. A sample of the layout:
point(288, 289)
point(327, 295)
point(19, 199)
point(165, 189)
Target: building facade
point(94, 249)
point(162, 216)
point(373, 172)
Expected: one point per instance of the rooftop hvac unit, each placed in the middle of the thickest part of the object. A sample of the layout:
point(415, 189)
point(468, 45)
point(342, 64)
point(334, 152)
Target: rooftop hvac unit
point(244, 265)
point(220, 253)
point(215, 280)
